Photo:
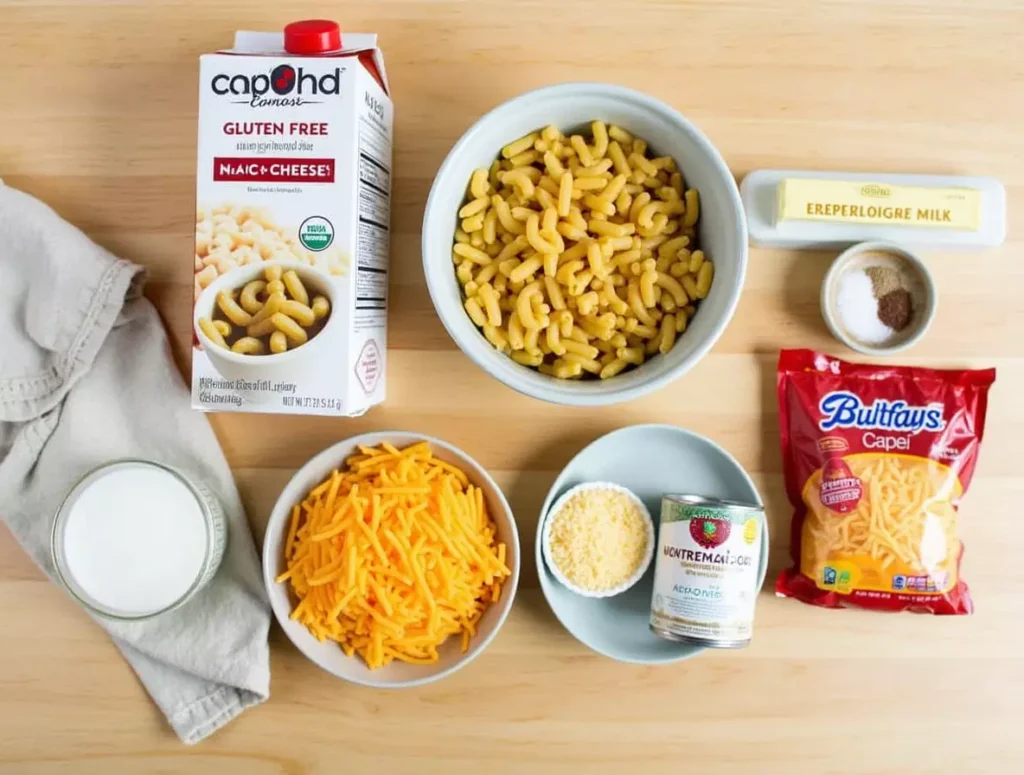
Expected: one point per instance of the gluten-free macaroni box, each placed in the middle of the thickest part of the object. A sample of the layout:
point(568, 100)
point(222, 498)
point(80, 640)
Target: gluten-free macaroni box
point(293, 187)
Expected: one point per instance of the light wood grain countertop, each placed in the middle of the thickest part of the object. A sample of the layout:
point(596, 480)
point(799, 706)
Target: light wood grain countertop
point(97, 117)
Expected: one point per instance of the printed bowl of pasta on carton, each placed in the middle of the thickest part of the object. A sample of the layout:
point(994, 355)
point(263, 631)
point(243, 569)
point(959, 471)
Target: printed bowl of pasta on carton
point(584, 244)
point(271, 320)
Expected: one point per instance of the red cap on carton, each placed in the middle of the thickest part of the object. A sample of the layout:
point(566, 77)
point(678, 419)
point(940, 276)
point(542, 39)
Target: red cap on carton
point(312, 36)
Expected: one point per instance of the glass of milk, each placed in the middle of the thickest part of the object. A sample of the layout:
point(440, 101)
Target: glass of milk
point(135, 539)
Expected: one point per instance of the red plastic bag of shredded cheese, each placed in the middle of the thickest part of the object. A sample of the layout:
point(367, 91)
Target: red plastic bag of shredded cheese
point(876, 459)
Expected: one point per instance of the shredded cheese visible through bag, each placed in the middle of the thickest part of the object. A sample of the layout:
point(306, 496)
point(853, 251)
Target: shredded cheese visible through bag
point(906, 517)
point(392, 555)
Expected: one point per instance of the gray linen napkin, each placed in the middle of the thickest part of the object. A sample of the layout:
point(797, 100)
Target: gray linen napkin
point(85, 377)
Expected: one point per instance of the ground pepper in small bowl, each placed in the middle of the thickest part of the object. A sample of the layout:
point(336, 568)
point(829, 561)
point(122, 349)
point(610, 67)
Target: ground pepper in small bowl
point(878, 298)
point(895, 309)
point(895, 304)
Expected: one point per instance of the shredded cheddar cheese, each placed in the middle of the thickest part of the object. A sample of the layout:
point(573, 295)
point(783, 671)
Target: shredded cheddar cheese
point(598, 538)
point(392, 555)
point(904, 519)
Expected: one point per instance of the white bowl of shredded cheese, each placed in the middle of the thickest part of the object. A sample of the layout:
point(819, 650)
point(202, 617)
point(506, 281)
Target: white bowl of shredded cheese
point(598, 539)
point(327, 653)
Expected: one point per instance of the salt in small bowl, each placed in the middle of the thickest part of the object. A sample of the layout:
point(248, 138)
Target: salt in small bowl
point(861, 256)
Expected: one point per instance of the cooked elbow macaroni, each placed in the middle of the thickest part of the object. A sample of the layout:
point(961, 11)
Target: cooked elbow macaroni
point(578, 257)
point(229, 236)
point(268, 316)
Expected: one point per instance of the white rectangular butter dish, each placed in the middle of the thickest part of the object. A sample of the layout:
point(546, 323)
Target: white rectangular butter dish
point(761, 193)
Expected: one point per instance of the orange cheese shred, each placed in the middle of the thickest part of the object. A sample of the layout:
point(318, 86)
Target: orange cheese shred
point(392, 554)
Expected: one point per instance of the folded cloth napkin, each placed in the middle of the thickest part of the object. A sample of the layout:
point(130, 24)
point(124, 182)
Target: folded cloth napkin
point(86, 377)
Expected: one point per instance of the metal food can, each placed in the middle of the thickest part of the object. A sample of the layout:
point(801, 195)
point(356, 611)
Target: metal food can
point(706, 571)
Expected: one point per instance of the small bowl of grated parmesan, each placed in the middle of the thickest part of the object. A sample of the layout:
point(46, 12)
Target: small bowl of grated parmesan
point(598, 539)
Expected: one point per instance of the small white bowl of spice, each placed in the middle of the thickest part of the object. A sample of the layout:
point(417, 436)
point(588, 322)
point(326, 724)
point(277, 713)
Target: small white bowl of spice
point(598, 539)
point(878, 298)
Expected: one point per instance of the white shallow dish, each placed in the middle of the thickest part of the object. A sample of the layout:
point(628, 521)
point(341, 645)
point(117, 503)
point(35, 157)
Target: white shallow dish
point(722, 230)
point(648, 552)
point(651, 461)
point(328, 654)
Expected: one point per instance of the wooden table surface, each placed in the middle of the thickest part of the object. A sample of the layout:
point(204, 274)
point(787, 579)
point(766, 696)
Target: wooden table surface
point(98, 98)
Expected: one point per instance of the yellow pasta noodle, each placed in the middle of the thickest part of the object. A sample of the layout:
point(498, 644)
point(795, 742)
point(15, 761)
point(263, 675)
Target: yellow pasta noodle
point(278, 342)
point(557, 224)
point(295, 287)
point(213, 331)
point(279, 303)
point(248, 299)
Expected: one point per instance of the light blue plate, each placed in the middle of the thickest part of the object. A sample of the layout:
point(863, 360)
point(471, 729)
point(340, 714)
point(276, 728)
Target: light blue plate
point(651, 460)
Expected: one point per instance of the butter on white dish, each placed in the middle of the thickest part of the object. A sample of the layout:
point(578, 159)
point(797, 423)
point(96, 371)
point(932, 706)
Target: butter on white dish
point(804, 209)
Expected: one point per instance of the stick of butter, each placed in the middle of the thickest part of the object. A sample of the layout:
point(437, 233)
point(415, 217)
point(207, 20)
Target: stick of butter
point(844, 201)
point(817, 209)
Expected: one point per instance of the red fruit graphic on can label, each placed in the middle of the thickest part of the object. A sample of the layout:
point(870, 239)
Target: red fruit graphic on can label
point(840, 490)
point(709, 532)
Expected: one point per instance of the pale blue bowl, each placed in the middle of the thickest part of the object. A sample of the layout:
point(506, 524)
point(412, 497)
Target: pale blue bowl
point(650, 460)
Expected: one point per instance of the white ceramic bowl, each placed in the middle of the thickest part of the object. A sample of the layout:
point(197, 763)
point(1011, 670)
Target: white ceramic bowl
point(548, 519)
point(329, 655)
point(723, 230)
point(925, 295)
point(290, 365)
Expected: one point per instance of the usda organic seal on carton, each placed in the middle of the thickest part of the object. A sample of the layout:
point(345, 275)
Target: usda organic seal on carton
point(706, 571)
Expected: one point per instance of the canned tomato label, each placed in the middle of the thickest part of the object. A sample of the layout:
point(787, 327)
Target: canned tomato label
point(706, 571)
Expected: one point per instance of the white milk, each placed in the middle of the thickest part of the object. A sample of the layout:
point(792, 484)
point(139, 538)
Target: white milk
point(134, 540)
